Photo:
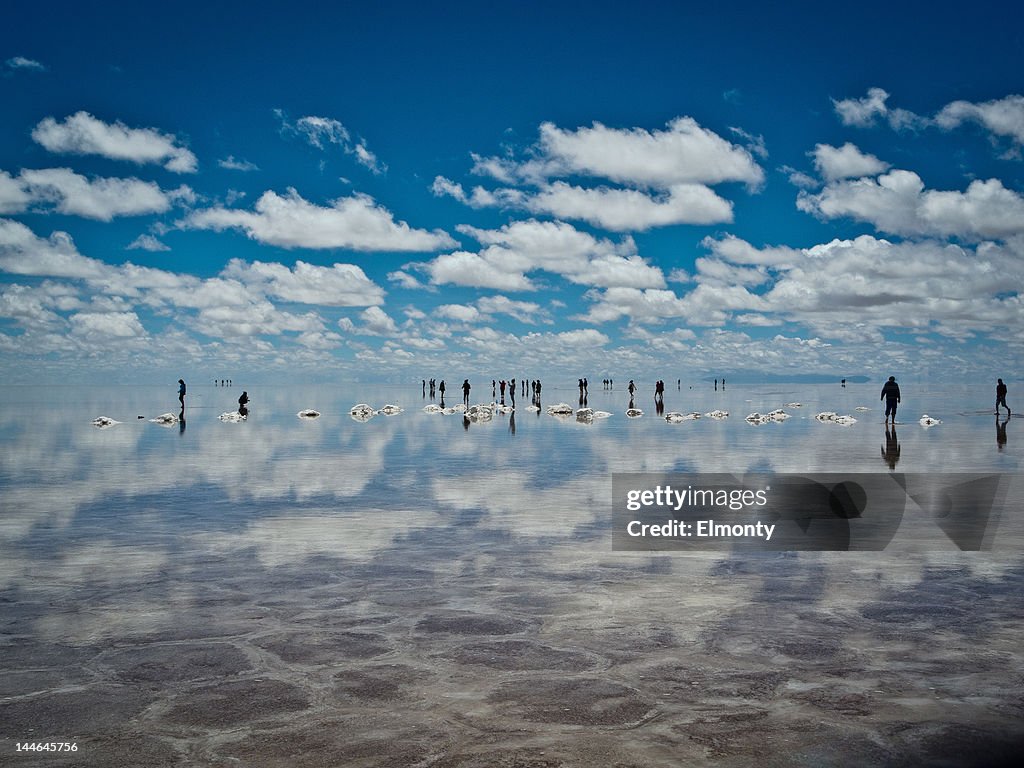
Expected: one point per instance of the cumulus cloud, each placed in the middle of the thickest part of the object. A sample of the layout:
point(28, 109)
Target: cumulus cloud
point(664, 176)
point(99, 198)
point(340, 285)
point(374, 322)
point(146, 243)
point(852, 289)
point(23, 253)
point(845, 162)
point(864, 112)
point(83, 134)
point(523, 311)
point(462, 313)
point(898, 203)
point(621, 210)
point(511, 253)
point(684, 153)
point(1002, 117)
point(289, 221)
point(120, 325)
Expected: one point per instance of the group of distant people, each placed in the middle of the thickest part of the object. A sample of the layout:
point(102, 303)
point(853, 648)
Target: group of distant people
point(890, 393)
point(499, 390)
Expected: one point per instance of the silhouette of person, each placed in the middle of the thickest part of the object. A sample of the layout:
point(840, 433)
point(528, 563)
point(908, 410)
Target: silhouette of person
point(716, 385)
point(465, 392)
point(632, 389)
point(424, 388)
point(501, 386)
point(891, 451)
point(586, 386)
point(843, 381)
point(493, 388)
point(723, 385)
point(891, 395)
point(1001, 397)
point(243, 401)
point(181, 393)
point(659, 391)
point(440, 388)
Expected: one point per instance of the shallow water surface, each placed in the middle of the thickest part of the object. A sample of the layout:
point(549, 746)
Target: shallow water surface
point(423, 590)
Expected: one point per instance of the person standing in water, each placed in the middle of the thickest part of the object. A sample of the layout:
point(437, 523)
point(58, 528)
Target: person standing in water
point(1001, 397)
point(181, 393)
point(465, 392)
point(891, 395)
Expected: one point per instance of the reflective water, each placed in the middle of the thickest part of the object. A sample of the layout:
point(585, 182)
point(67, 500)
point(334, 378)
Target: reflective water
point(457, 579)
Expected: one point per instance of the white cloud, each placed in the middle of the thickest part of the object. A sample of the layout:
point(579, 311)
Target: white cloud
point(98, 198)
point(83, 134)
point(377, 322)
point(232, 164)
point(523, 311)
point(852, 289)
point(685, 153)
point(340, 285)
point(897, 202)
point(14, 195)
point(319, 130)
point(146, 243)
point(289, 221)
point(845, 162)
point(405, 280)
point(323, 131)
point(864, 112)
point(479, 198)
point(621, 210)
point(1002, 117)
point(23, 253)
point(121, 325)
point(20, 62)
point(462, 313)
point(665, 175)
point(515, 250)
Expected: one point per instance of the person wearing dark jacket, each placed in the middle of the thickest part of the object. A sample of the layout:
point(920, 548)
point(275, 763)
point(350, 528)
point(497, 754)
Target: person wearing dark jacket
point(1001, 397)
point(891, 395)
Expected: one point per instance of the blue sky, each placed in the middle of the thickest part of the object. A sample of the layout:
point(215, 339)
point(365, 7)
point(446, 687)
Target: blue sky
point(402, 191)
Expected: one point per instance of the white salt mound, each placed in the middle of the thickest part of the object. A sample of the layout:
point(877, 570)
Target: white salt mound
point(231, 416)
point(102, 422)
point(928, 421)
point(634, 413)
point(165, 418)
point(308, 413)
point(391, 410)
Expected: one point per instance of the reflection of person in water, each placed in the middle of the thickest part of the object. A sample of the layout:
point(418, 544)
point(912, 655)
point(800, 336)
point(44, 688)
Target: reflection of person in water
point(1001, 432)
point(891, 451)
point(243, 402)
point(891, 395)
point(1001, 397)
